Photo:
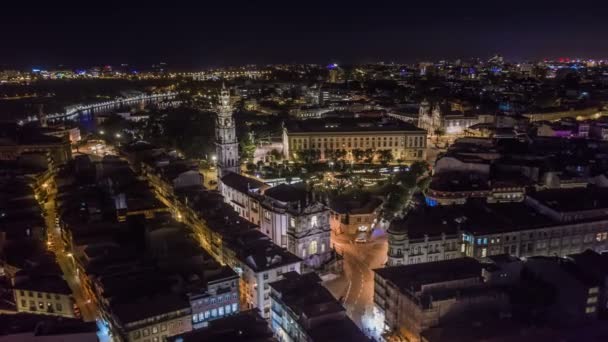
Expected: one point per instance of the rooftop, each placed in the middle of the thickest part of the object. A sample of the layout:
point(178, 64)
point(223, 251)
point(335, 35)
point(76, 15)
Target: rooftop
point(308, 299)
point(43, 325)
point(242, 183)
point(411, 278)
point(146, 307)
point(590, 198)
point(246, 326)
point(338, 125)
point(476, 217)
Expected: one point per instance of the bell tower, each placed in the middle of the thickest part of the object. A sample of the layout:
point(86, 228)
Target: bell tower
point(226, 144)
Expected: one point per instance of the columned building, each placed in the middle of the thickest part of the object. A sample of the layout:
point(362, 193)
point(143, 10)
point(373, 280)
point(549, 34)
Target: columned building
point(227, 148)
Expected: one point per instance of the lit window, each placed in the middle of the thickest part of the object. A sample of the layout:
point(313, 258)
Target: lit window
point(590, 309)
point(235, 307)
point(195, 318)
point(221, 311)
point(292, 222)
point(591, 300)
point(312, 247)
point(313, 222)
point(484, 252)
point(593, 290)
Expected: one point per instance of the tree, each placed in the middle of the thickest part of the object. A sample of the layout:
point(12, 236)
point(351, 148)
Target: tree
point(340, 154)
point(308, 156)
point(419, 168)
point(369, 155)
point(439, 132)
point(385, 156)
point(358, 154)
point(247, 147)
point(275, 154)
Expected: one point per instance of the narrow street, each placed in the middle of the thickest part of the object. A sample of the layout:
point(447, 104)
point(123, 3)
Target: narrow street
point(356, 285)
point(65, 261)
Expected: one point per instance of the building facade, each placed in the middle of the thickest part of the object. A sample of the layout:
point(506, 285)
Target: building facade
point(405, 141)
point(413, 298)
point(453, 120)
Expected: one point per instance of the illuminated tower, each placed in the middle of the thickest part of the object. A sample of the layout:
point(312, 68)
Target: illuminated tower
point(226, 144)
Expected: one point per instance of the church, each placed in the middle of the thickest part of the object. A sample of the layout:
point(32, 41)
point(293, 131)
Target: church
point(451, 118)
point(288, 214)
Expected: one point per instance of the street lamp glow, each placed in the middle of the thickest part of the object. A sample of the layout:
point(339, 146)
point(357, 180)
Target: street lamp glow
point(118, 135)
point(214, 158)
point(102, 132)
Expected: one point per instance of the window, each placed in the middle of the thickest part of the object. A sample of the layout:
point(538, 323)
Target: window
point(484, 252)
point(591, 300)
point(292, 222)
point(48, 296)
point(58, 307)
point(214, 313)
point(40, 305)
point(265, 276)
point(57, 296)
point(227, 309)
point(322, 248)
point(207, 314)
point(201, 317)
point(163, 327)
point(195, 318)
point(312, 247)
point(313, 222)
point(593, 290)
point(21, 292)
point(23, 303)
point(235, 307)
point(221, 311)
point(146, 332)
point(155, 330)
point(136, 334)
point(590, 309)
point(39, 295)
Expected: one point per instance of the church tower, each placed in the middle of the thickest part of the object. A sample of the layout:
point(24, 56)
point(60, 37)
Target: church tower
point(226, 144)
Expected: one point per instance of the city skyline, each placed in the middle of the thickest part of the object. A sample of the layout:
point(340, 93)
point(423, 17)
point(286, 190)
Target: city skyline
point(239, 33)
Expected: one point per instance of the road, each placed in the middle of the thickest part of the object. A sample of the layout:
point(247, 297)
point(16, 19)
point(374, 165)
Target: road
point(65, 261)
point(356, 285)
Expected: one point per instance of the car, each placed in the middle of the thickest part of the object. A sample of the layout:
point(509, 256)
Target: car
point(361, 237)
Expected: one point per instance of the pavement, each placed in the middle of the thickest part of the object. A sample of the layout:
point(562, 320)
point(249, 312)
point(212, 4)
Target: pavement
point(356, 285)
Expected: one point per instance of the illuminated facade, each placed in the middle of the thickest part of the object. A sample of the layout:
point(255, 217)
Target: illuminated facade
point(452, 121)
point(405, 141)
point(227, 147)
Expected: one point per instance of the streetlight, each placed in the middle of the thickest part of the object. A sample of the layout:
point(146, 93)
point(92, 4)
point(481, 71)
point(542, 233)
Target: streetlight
point(102, 132)
point(118, 135)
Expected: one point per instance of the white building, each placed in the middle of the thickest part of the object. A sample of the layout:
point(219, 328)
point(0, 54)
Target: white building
point(287, 214)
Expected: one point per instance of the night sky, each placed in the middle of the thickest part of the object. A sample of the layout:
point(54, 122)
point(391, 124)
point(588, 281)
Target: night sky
point(239, 32)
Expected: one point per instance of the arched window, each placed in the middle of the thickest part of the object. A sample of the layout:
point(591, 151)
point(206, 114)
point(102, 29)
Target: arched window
point(312, 248)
